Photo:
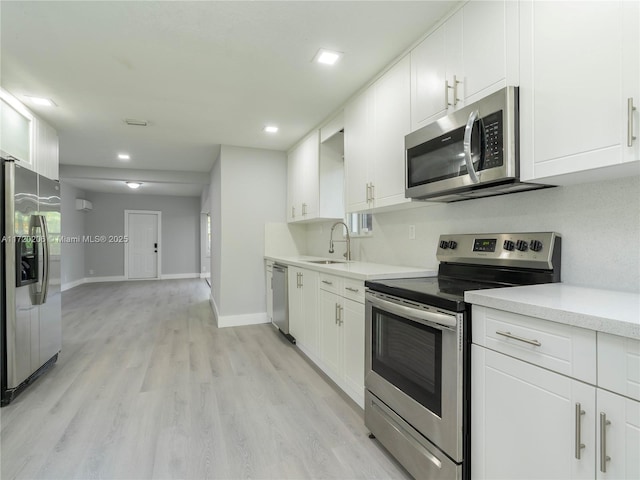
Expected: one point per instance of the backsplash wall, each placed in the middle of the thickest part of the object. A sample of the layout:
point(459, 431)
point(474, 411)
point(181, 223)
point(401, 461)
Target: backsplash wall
point(599, 224)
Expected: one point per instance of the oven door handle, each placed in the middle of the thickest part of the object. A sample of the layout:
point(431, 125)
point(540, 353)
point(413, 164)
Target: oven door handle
point(432, 319)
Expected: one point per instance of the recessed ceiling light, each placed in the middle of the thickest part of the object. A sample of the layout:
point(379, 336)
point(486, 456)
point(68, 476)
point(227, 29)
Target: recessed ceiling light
point(133, 185)
point(44, 102)
point(271, 129)
point(124, 156)
point(327, 57)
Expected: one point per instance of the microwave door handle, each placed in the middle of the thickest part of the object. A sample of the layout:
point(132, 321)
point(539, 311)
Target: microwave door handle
point(473, 116)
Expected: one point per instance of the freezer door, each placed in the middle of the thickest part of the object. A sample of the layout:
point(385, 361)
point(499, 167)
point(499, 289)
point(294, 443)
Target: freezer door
point(50, 333)
point(22, 317)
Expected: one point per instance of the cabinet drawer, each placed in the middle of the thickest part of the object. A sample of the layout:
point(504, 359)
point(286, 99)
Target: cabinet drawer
point(354, 290)
point(561, 348)
point(619, 365)
point(331, 283)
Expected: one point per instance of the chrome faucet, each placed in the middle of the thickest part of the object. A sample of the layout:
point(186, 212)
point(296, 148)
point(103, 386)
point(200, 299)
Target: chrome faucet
point(347, 254)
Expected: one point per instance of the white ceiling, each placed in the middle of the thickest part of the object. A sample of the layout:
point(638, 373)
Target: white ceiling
point(202, 73)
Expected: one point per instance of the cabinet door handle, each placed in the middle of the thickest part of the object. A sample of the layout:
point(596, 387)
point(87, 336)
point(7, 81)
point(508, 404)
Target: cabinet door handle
point(630, 110)
point(301, 279)
point(579, 444)
point(327, 282)
point(354, 290)
point(520, 339)
point(339, 321)
point(293, 212)
point(368, 192)
point(336, 313)
point(453, 87)
point(446, 94)
point(604, 458)
point(373, 192)
point(304, 209)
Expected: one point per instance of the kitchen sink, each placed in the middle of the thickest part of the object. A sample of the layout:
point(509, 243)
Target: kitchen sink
point(325, 262)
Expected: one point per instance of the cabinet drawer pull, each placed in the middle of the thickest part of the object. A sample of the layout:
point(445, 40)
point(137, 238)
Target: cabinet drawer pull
point(520, 339)
point(327, 282)
point(579, 444)
point(604, 458)
point(293, 212)
point(630, 110)
point(354, 290)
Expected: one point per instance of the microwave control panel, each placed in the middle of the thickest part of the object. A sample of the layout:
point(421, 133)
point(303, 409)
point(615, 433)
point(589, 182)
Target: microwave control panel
point(494, 149)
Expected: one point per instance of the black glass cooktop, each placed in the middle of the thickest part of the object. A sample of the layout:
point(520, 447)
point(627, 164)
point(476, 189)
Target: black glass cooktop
point(441, 292)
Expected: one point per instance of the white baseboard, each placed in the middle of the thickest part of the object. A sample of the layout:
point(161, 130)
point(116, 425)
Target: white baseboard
point(223, 321)
point(114, 278)
point(68, 286)
point(121, 278)
point(214, 307)
point(179, 276)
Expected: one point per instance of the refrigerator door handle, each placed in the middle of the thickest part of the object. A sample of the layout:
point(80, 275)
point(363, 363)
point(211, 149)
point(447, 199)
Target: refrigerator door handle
point(40, 222)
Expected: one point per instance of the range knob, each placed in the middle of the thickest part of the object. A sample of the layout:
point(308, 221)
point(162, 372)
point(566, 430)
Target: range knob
point(453, 244)
point(444, 244)
point(522, 245)
point(535, 245)
point(508, 245)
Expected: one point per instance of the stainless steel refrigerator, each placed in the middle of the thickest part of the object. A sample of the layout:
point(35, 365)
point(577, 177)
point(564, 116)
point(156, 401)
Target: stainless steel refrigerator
point(31, 333)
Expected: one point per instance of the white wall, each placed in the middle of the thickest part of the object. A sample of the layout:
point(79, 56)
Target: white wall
point(215, 197)
point(248, 189)
point(73, 225)
point(180, 239)
point(599, 224)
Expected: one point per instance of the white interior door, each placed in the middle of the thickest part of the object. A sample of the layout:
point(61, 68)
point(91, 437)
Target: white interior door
point(143, 245)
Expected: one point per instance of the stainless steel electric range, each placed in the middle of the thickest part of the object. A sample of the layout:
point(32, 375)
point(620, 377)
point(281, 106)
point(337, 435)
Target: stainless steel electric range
point(418, 344)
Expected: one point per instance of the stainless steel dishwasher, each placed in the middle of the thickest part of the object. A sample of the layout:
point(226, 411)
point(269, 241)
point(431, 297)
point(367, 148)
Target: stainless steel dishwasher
point(279, 287)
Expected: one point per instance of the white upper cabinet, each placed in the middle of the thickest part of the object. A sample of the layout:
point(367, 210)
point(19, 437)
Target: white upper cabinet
point(376, 123)
point(303, 179)
point(46, 150)
point(28, 139)
point(16, 131)
point(474, 53)
point(579, 67)
point(315, 179)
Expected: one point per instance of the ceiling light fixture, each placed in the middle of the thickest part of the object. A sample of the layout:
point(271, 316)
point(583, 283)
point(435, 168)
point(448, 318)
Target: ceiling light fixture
point(44, 102)
point(133, 185)
point(124, 156)
point(327, 57)
point(271, 129)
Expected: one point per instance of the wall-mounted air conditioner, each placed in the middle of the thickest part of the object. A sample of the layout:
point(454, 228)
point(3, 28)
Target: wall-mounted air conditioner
point(84, 205)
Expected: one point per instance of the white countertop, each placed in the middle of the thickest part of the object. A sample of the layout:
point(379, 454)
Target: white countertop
point(605, 311)
point(356, 270)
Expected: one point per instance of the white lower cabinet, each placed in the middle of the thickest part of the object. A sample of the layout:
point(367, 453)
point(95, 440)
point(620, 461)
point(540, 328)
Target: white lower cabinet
point(618, 425)
point(303, 306)
point(525, 423)
point(532, 418)
point(341, 322)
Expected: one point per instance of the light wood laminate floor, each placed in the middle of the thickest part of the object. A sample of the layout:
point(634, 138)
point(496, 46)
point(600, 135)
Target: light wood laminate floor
point(147, 387)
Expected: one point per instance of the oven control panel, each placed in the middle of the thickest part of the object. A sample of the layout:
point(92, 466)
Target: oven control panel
point(525, 249)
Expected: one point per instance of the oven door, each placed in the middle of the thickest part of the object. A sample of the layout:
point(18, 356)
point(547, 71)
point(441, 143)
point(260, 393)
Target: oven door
point(414, 361)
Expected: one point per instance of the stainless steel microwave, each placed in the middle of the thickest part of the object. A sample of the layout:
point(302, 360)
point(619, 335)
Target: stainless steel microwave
point(470, 153)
